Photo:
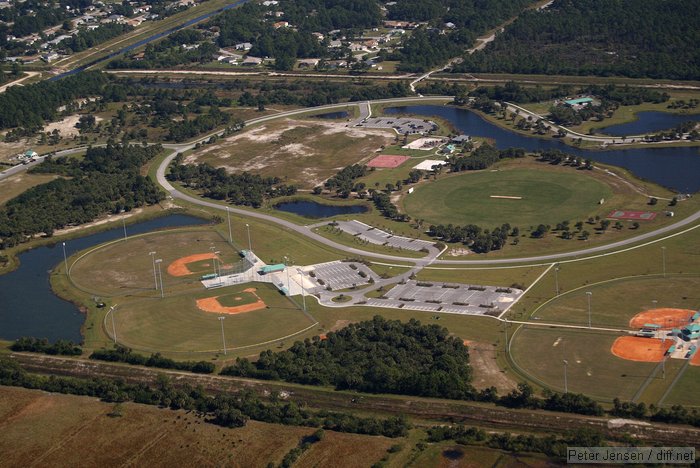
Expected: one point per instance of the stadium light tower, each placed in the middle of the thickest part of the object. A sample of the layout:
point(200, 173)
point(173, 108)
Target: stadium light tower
point(114, 328)
point(223, 338)
point(286, 267)
point(556, 278)
point(230, 235)
point(217, 262)
point(65, 258)
point(566, 384)
point(160, 275)
point(589, 294)
point(303, 290)
point(663, 259)
point(250, 244)
point(155, 277)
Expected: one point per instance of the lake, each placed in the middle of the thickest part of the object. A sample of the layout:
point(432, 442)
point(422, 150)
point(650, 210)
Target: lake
point(648, 122)
point(675, 168)
point(332, 115)
point(312, 209)
point(30, 308)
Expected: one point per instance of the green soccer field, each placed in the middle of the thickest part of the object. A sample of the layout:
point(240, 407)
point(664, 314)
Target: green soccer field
point(548, 197)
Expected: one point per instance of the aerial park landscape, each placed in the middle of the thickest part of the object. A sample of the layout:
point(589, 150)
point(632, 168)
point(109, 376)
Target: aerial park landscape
point(423, 273)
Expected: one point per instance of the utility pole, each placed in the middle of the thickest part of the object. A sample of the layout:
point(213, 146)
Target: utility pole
point(155, 277)
point(223, 338)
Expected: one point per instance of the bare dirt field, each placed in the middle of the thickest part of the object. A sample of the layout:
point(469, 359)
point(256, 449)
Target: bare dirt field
point(635, 348)
point(66, 127)
point(304, 152)
point(40, 428)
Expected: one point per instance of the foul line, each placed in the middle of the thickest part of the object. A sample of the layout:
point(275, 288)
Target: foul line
point(526, 291)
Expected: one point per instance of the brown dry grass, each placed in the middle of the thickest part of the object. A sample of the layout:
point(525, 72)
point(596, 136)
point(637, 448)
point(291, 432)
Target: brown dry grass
point(64, 430)
point(635, 348)
point(305, 152)
point(18, 184)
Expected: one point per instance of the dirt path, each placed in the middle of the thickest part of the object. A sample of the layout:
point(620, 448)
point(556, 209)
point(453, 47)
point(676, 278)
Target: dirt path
point(487, 373)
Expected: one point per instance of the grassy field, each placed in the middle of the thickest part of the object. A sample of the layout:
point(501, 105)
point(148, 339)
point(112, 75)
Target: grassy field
point(547, 198)
point(592, 369)
point(614, 303)
point(685, 392)
point(66, 430)
point(18, 184)
point(176, 325)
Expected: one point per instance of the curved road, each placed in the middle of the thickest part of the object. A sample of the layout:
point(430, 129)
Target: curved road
point(430, 259)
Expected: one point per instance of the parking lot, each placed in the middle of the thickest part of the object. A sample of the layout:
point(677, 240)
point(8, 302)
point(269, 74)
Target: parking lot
point(377, 236)
point(339, 275)
point(401, 125)
point(448, 298)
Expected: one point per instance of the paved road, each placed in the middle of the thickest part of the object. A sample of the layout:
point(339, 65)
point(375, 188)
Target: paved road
point(422, 262)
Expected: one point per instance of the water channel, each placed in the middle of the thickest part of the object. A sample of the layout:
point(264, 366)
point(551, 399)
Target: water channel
point(649, 122)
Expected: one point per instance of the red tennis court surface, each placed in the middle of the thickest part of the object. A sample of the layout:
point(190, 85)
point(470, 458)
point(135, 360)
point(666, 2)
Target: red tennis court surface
point(387, 161)
point(634, 215)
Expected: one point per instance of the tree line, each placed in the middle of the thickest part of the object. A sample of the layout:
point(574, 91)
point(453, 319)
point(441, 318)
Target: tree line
point(239, 189)
point(124, 354)
point(87, 38)
point(106, 180)
point(229, 410)
point(42, 345)
point(633, 38)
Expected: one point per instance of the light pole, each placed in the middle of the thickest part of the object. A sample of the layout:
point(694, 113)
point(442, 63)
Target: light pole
point(228, 217)
point(223, 338)
point(160, 275)
point(155, 277)
point(556, 278)
point(216, 261)
point(663, 259)
point(114, 328)
point(250, 244)
point(286, 267)
point(65, 258)
point(589, 294)
point(566, 384)
point(303, 289)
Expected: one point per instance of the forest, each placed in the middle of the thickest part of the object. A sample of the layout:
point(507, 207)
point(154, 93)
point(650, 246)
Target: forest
point(239, 189)
point(374, 356)
point(88, 38)
point(633, 38)
point(106, 181)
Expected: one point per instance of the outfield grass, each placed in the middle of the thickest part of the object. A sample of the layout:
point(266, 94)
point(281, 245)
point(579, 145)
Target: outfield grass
point(176, 325)
point(592, 368)
point(126, 267)
point(547, 198)
point(614, 303)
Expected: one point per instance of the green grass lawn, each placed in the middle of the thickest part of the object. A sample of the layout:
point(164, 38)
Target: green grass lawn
point(614, 303)
point(238, 298)
point(592, 368)
point(685, 392)
point(547, 198)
